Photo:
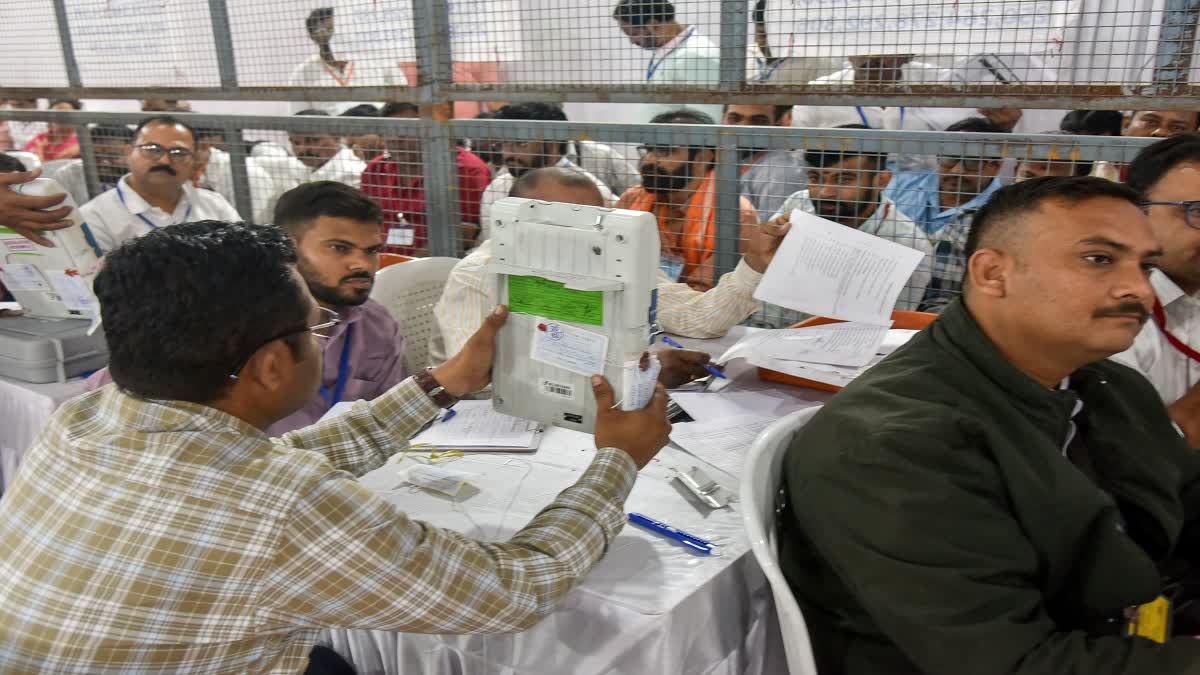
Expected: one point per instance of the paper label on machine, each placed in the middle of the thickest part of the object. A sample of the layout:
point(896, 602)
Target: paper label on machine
point(23, 278)
point(562, 390)
point(562, 345)
point(19, 245)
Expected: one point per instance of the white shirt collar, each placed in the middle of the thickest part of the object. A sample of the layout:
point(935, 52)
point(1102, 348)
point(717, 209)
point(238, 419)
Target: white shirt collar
point(1167, 291)
point(885, 210)
point(675, 41)
point(136, 205)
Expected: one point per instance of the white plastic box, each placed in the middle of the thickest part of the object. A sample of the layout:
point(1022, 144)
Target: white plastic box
point(566, 269)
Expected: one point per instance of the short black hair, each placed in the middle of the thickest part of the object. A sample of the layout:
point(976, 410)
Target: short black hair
point(685, 116)
point(977, 125)
point(1093, 122)
point(642, 12)
point(1025, 197)
point(826, 158)
point(220, 291)
point(1155, 160)
point(299, 207)
point(164, 119)
point(313, 112)
point(532, 111)
point(10, 164)
point(105, 132)
point(73, 102)
point(316, 16)
point(567, 177)
point(361, 110)
point(393, 107)
point(682, 116)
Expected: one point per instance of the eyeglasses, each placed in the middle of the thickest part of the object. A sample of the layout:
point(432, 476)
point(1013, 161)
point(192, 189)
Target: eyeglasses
point(1191, 210)
point(155, 151)
point(323, 330)
point(660, 151)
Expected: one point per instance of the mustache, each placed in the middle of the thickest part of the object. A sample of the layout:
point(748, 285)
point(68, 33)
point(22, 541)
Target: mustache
point(352, 277)
point(164, 168)
point(1124, 309)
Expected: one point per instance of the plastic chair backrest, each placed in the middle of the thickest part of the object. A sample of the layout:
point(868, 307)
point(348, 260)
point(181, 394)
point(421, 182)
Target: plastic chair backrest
point(409, 292)
point(389, 259)
point(761, 481)
point(901, 319)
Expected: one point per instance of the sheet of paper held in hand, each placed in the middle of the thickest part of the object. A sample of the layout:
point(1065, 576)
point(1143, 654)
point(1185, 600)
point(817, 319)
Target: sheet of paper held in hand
point(827, 269)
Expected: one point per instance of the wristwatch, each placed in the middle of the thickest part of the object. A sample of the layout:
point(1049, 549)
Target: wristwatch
point(433, 389)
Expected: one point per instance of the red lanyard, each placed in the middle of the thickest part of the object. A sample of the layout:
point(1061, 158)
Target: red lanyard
point(1160, 318)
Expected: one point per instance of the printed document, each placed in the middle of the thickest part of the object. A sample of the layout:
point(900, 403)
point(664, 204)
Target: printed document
point(827, 269)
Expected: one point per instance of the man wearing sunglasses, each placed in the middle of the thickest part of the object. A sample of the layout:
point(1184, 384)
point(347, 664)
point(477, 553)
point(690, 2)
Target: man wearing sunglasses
point(156, 528)
point(1167, 350)
point(157, 191)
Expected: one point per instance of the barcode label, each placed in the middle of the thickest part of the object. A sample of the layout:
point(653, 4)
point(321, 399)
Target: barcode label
point(559, 389)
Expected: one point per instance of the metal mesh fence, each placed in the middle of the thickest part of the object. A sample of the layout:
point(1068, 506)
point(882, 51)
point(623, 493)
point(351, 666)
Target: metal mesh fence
point(850, 109)
point(1103, 54)
point(709, 185)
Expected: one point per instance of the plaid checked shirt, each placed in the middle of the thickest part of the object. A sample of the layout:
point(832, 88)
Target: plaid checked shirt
point(949, 262)
point(150, 537)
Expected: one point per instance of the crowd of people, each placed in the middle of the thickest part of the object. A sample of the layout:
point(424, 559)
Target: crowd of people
point(1013, 491)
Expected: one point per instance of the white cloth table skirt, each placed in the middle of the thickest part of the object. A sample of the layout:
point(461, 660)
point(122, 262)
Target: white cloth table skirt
point(650, 606)
point(24, 410)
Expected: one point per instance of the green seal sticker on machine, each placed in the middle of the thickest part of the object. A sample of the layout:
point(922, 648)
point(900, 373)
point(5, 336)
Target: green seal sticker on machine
point(539, 296)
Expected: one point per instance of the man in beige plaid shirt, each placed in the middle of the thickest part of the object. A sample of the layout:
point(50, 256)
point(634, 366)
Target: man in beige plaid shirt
point(154, 528)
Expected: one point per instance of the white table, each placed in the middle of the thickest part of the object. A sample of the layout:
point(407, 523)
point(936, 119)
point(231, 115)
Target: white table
point(24, 410)
point(650, 606)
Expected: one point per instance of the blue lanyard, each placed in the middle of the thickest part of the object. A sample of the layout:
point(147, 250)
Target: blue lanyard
point(653, 66)
point(343, 371)
point(863, 116)
point(764, 71)
point(121, 196)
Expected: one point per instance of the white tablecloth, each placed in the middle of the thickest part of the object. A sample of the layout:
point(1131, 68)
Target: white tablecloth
point(649, 607)
point(24, 409)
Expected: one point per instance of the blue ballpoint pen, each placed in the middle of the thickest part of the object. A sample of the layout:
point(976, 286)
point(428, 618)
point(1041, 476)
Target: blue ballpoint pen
point(672, 343)
point(691, 541)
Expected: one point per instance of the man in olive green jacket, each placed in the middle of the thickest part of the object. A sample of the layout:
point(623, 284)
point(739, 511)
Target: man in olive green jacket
point(995, 496)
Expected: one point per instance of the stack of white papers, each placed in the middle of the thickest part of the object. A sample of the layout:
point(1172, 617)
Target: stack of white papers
point(476, 426)
point(722, 443)
point(833, 353)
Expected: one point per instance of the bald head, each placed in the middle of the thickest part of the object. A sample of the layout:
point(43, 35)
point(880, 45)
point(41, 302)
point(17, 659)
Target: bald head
point(557, 184)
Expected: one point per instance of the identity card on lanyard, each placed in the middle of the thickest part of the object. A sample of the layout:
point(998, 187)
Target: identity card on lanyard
point(402, 233)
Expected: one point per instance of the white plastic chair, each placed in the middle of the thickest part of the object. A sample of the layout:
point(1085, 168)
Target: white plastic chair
point(761, 479)
point(409, 291)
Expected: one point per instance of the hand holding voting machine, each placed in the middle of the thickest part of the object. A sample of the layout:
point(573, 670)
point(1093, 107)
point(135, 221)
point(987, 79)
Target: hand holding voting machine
point(579, 282)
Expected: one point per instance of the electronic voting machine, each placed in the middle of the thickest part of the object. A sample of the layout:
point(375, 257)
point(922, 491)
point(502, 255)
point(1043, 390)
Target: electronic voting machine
point(579, 282)
point(50, 283)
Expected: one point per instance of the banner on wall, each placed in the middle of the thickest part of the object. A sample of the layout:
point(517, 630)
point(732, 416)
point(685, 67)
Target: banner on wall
point(480, 30)
point(143, 43)
point(840, 28)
